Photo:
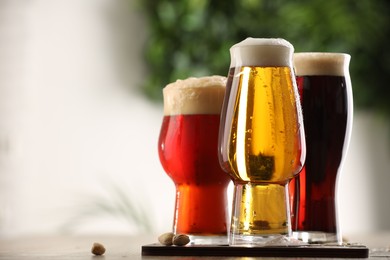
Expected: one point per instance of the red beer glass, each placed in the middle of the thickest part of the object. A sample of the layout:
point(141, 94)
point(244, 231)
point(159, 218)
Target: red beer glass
point(326, 98)
point(188, 151)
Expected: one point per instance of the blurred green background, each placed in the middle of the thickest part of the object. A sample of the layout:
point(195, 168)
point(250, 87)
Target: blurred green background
point(193, 37)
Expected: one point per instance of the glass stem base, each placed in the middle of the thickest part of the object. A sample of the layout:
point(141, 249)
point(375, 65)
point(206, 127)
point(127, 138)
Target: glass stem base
point(260, 213)
point(208, 240)
point(317, 237)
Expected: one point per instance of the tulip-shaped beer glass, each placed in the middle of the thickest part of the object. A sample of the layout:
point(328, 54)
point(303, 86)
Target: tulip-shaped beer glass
point(261, 138)
point(326, 97)
point(188, 150)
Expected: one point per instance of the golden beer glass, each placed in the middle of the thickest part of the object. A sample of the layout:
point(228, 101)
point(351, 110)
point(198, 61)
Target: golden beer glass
point(261, 139)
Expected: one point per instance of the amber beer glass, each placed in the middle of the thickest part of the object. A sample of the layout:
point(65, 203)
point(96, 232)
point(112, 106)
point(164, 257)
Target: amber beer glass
point(326, 98)
point(188, 151)
point(261, 139)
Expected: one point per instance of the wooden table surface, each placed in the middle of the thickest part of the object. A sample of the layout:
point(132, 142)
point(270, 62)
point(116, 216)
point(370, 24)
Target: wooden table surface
point(129, 247)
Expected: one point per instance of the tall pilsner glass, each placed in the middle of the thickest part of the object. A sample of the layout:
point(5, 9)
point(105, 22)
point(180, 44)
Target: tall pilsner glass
point(262, 143)
point(188, 150)
point(326, 97)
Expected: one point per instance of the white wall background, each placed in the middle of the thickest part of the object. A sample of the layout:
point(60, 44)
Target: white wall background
point(72, 122)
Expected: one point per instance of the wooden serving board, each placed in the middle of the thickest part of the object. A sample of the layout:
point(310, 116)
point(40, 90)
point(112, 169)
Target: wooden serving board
point(358, 251)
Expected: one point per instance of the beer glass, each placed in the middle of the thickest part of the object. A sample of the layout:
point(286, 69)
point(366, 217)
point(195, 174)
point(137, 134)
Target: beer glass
point(188, 151)
point(326, 98)
point(262, 143)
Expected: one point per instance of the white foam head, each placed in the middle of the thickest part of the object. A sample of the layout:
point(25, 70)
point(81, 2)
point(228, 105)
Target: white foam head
point(202, 95)
point(263, 52)
point(321, 63)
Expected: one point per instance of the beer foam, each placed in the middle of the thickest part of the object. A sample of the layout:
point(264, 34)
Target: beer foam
point(263, 52)
point(202, 95)
point(321, 63)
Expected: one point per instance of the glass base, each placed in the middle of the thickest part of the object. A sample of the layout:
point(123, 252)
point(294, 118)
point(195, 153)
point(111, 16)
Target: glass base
point(253, 240)
point(260, 214)
point(317, 237)
point(269, 240)
point(208, 240)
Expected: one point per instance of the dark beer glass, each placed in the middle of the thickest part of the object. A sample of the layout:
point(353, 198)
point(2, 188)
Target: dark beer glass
point(326, 98)
point(261, 139)
point(188, 151)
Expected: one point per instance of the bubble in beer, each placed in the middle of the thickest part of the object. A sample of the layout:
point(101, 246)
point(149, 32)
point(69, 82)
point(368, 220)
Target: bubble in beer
point(203, 95)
